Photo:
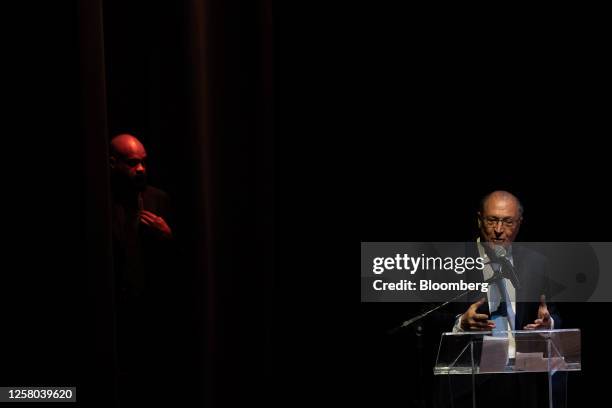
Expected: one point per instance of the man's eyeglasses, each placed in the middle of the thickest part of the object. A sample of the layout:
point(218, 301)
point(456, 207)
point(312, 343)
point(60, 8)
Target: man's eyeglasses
point(506, 222)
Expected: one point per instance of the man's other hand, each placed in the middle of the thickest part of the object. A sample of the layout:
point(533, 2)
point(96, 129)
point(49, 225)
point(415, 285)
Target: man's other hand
point(472, 320)
point(543, 321)
point(156, 223)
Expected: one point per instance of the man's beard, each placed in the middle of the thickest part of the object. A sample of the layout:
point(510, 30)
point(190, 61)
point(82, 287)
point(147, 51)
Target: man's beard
point(123, 184)
point(139, 183)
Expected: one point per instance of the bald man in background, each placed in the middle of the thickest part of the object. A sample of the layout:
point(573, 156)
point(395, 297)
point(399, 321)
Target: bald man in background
point(140, 213)
point(143, 252)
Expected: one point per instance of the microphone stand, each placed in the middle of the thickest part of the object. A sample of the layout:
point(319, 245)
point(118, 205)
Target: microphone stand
point(422, 315)
point(407, 323)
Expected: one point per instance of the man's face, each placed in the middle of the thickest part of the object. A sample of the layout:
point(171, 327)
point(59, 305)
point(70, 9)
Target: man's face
point(130, 164)
point(499, 221)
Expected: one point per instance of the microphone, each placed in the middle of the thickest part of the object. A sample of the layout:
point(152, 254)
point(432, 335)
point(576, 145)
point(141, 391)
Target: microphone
point(502, 255)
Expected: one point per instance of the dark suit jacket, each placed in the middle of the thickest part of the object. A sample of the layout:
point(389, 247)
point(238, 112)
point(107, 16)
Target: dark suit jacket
point(141, 256)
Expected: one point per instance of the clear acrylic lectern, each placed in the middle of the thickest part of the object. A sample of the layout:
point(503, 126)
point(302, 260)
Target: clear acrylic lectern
point(514, 352)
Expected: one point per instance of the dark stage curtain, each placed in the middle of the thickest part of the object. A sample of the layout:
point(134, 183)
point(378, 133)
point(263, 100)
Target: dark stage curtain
point(193, 80)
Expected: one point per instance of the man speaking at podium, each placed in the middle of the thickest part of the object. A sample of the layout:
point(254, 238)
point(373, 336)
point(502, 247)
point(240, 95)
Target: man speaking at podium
point(499, 221)
point(525, 278)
